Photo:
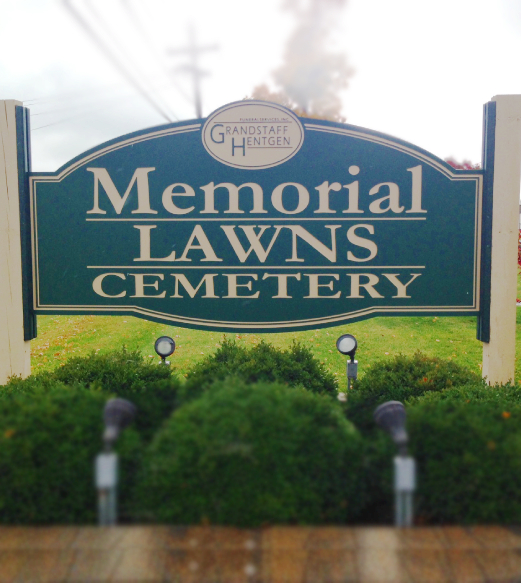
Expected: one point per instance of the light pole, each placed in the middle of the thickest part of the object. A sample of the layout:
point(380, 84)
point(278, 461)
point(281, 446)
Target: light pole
point(391, 417)
point(117, 415)
point(347, 345)
point(164, 347)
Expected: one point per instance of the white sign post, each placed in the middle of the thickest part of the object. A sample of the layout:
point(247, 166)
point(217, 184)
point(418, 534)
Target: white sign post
point(499, 354)
point(15, 353)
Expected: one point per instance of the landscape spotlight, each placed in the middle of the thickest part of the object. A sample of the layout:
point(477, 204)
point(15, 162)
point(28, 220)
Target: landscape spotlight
point(390, 416)
point(164, 347)
point(347, 345)
point(118, 414)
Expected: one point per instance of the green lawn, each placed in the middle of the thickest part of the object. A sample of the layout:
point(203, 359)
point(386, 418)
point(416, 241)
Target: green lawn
point(60, 337)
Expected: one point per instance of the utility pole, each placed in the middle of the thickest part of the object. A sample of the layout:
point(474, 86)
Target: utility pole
point(193, 51)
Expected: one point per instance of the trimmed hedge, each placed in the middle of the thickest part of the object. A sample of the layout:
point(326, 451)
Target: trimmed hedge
point(48, 441)
point(407, 379)
point(476, 392)
point(116, 371)
point(248, 455)
point(467, 442)
point(263, 362)
point(33, 383)
point(399, 379)
point(151, 387)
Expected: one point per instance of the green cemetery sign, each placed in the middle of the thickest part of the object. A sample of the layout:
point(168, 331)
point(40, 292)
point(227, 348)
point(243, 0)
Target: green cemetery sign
point(256, 220)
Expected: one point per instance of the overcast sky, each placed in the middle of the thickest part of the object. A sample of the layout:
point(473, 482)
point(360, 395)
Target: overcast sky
point(422, 70)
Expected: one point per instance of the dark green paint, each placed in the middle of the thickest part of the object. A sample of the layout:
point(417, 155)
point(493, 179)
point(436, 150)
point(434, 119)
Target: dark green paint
point(489, 144)
point(444, 242)
point(24, 168)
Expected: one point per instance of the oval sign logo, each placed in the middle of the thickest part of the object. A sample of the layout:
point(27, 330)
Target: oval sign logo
point(253, 135)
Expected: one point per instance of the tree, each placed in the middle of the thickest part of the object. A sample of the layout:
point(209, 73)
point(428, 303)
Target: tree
point(465, 165)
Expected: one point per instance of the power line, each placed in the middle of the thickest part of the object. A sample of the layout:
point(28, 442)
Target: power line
point(67, 95)
point(87, 94)
point(76, 108)
point(151, 46)
point(66, 119)
point(123, 51)
point(102, 45)
point(79, 105)
point(82, 114)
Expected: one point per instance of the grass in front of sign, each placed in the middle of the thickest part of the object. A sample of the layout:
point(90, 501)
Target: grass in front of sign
point(62, 337)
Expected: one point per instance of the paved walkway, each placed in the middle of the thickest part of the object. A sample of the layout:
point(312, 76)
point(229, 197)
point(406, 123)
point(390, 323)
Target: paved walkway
point(272, 555)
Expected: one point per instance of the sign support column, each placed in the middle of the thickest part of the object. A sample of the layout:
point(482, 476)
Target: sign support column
point(15, 351)
point(499, 353)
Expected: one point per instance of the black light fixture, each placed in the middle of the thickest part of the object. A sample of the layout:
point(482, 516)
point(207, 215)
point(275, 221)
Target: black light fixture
point(118, 414)
point(347, 345)
point(391, 416)
point(164, 347)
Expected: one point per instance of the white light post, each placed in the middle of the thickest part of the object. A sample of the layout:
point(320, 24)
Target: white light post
point(391, 417)
point(117, 415)
point(164, 347)
point(347, 345)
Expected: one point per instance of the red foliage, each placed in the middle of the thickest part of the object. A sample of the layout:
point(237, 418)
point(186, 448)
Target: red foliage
point(465, 165)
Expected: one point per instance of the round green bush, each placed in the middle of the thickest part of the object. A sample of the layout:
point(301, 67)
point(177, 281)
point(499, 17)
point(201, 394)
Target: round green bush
point(263, 362)
point(48, 441)
point(155, 402)
point(117, 370)
point(479, 391)
point(248, 455)
point(33, 383)
point(467, 442)
point(377, 496)
point(151, 387)
point(399, 379)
